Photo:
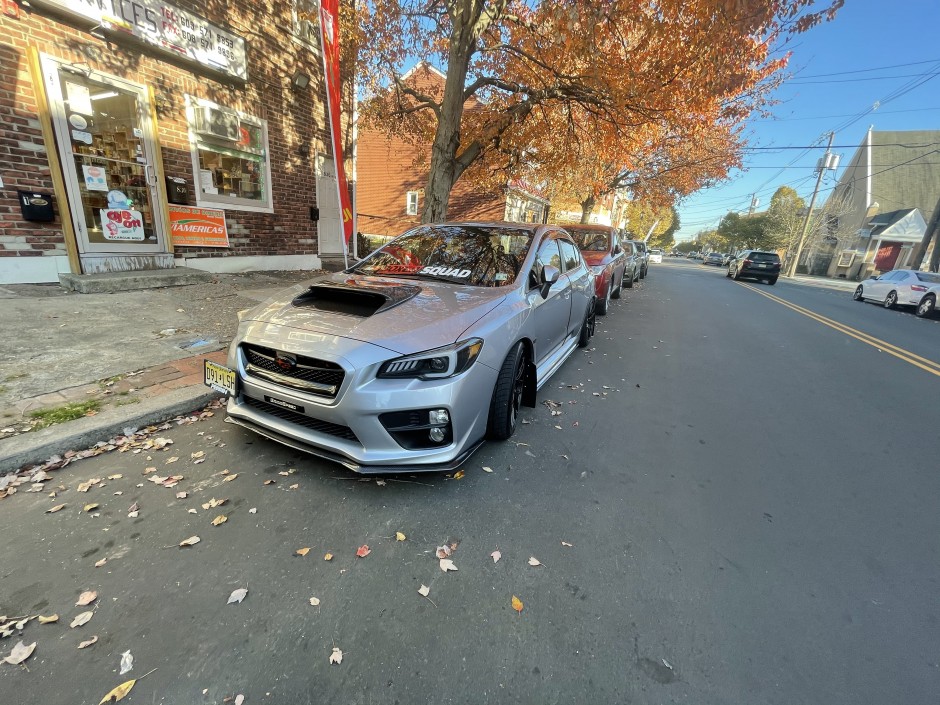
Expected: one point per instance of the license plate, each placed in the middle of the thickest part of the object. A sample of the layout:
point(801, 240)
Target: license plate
point(762, 266)
point(220, 378)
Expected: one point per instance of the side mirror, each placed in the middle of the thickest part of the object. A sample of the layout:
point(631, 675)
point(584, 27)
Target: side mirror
point(549, 276)
point(617, 249)
point(878, 277)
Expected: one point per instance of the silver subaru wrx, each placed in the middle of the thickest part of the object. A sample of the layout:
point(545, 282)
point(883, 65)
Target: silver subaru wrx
point(408, 360)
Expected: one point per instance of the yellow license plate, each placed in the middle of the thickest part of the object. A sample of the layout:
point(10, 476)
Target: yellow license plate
point(220, 378)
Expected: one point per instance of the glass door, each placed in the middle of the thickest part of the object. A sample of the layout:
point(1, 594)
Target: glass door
point(105, 139)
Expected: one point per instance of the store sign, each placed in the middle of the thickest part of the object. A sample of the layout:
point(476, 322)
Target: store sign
point(198, 227)
point(121, 224)
point(165, 27)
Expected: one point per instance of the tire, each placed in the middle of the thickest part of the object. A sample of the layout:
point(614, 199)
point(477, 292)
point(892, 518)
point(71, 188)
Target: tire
point(644, 272)
point(619, 289)
point(507, 395)
point(737, 275)
point(926, 306)
point(587, 326)
point(772, 281)
point(728, 273)
point(604, 306)
point(891, 300)
point(858, 294)
point(630, 281)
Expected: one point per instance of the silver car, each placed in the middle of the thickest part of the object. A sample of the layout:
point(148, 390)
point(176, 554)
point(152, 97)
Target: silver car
point(408, 360)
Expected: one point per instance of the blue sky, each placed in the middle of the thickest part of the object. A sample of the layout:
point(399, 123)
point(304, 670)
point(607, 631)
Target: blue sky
point(866, 34)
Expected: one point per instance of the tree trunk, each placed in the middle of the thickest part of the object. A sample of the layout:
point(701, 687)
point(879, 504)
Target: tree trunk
point(587, 207)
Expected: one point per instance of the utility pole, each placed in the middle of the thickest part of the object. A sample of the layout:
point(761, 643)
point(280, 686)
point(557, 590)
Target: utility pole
point(821, 168)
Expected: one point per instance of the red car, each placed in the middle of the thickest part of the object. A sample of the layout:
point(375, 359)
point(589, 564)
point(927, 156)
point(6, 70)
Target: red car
point(601, 248)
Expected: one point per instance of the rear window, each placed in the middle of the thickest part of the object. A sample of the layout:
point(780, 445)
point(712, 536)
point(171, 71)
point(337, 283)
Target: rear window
point(590, 240)
point(928, 277)
point(656, 252)
point(764, 257)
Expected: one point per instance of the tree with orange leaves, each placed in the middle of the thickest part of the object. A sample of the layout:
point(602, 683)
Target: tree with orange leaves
point(629, 68)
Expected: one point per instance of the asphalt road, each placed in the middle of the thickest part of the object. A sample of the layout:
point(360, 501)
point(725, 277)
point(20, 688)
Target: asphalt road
point(750, 496)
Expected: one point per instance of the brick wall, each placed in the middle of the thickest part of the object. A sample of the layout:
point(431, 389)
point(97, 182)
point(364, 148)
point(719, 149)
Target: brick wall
point(296, 120)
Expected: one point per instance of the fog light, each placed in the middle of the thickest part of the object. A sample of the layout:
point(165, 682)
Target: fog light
point(438, 417)
point(436, 434)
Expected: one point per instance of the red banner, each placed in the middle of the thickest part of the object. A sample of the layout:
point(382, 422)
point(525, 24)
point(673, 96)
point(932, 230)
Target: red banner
point(329, 35)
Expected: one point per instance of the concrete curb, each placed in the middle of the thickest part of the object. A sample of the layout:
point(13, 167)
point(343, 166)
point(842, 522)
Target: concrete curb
point(38, 446)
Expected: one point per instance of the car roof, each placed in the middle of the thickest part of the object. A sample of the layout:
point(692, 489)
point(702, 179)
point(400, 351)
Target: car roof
point(589, 226)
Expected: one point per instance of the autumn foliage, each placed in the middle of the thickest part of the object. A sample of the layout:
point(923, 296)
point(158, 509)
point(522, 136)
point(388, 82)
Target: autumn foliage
point(591, 96)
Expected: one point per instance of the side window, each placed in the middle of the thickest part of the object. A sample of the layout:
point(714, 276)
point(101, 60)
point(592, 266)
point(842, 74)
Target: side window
point(627, 247)
point(569, 254)
point(546, 255)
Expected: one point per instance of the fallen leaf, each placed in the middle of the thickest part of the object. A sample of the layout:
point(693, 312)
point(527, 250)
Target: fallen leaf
point(328, 557)
point(237, 596)
point(20, 653)
point(282, 472)
point(565, 543)
point(118, 476)
point(21, 625)
point(447, 564)
point(399, 536)
point(197, 454)
point(442, 551)
point(239, 699)
point(381, 483)
point(89, 507)
point(424, 591)
point(147, 471)
point(53, 510)
point(253, 510)
point(191, 541)
point(213, 503)
point(48, 620)
point(134, 508)
point(86, 598)
point(192, 511)
point(269, 482)
point(118, 693)
point(127, 662)
point(302, 551)
point(363, 551)
point(315, 601)
point(459, 474)
point(229, 478)
point(100, 563)
point(171, 460)
point(181, 495)
point(486, 469)
point(516, 604)
point(221, 519)
point(225, 472)
point(336, 656)
point(133, 515)
point(293, 487)
point(89, 642)
point(496, 555)
point(533, 561)
point(81, 619)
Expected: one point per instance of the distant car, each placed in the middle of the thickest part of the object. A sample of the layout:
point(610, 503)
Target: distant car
point(410, 358)
point(726, 259)
point(643, 255)
point(715, 258)
point(600, 246)
point(675, 253)
point(656, 256)
point(902, 287)
point(755, 264)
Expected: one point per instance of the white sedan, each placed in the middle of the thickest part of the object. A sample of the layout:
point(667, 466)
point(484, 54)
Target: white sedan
point(656, 256)
point(902, 287)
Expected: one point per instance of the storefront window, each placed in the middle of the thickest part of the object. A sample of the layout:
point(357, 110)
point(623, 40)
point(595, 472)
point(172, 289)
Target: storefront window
point(230, 157)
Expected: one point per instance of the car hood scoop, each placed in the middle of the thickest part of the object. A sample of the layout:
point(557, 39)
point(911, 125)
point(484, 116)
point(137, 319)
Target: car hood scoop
point(355, 297)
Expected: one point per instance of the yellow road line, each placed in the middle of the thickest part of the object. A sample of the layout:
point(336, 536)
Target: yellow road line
point(881, 345)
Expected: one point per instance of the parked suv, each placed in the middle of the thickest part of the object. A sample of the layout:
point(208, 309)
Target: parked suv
point(755, 264)
point(643, 255)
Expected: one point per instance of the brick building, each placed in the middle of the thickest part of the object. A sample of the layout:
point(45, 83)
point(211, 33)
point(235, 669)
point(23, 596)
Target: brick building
point(122, 114)
point(392, 172)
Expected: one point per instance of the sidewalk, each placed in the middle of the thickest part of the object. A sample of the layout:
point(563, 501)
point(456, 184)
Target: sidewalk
point(112, 362)
point(824, 282)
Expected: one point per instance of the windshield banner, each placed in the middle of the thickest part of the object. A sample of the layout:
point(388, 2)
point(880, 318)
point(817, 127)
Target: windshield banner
point(329, 33)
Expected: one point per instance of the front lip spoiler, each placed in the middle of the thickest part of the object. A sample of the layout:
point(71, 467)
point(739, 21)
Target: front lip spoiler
point(352, 464)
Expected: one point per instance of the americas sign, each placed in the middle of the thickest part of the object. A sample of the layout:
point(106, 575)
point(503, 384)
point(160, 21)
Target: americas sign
point(197, 227)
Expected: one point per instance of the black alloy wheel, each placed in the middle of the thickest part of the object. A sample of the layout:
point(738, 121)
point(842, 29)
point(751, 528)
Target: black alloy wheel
point(858, 295)
point(507, 395)
point(587, 327)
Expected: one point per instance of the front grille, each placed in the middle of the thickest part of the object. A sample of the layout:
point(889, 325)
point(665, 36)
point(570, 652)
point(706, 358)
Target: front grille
point(308, 369)
point(333, 429)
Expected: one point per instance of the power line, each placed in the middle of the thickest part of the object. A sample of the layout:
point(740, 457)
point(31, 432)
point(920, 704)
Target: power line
point(800, 82)
point(851, 146)
point(877, 68)
point(826, 117)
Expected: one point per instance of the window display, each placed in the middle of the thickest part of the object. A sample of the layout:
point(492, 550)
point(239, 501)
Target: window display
point(230, 157)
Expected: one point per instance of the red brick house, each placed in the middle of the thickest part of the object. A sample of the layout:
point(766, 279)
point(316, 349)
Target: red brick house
point(115, 114)
point(391, 180)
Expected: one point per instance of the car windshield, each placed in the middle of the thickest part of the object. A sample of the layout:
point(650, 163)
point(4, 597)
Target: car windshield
point(463, 254)
point(590, 240)
point(929, 277)
point(656, 252)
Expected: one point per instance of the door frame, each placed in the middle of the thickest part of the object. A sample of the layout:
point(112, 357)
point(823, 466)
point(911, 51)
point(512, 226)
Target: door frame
point(50, 66)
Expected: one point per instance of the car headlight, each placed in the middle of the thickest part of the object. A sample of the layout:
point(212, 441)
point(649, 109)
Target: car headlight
point(434, 364)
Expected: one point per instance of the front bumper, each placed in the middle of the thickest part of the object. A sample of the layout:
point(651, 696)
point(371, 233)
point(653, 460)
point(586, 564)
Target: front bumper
point(347, 429)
